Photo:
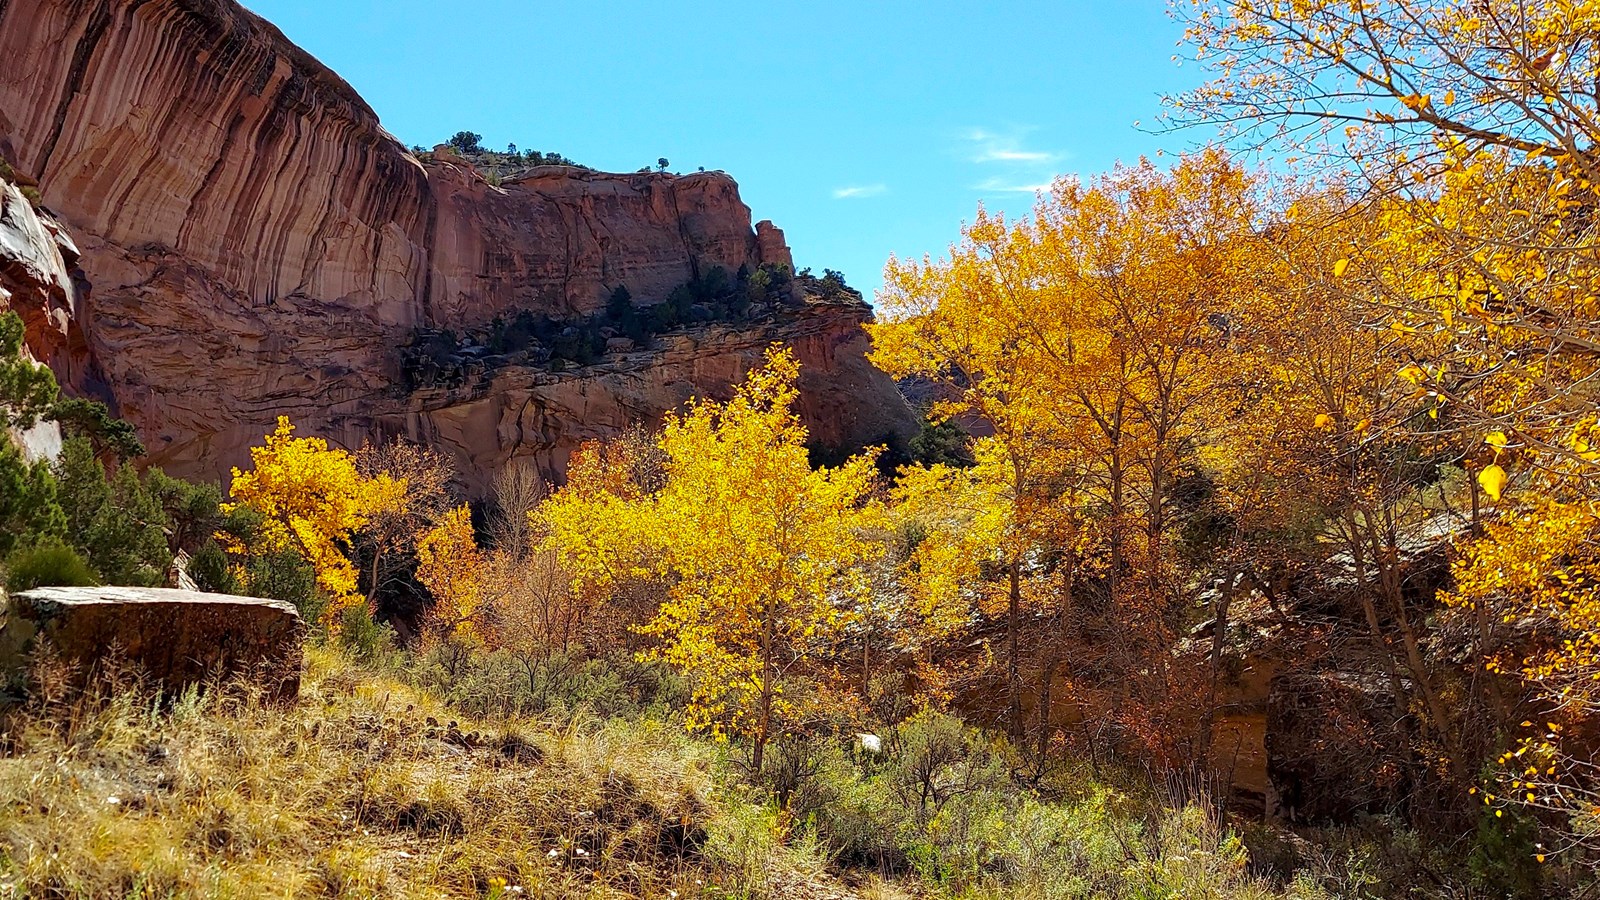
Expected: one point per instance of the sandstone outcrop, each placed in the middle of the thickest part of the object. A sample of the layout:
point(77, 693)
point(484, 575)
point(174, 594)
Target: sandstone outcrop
point(257, 244)
point(771, 245)
point(37, 260)
point(543, 416)
point(39, 280)
point(177, 637)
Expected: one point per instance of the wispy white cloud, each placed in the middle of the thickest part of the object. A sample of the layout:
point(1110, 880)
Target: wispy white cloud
point(1011, 186)
point(998, 155)
point(859, 191)
point(1009, 163)
point(985, 145)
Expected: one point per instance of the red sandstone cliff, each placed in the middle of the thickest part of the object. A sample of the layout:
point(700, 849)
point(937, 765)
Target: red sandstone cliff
point(253, 244)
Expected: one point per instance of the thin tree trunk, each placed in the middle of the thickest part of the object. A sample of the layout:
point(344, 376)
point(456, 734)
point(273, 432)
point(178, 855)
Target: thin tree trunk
point(764, 721)
point(1014, 612)
point(1114, 574)
point(1219, 635)
point(1386, 556)
point(866, 667)
point(1046, 676)
point(1369, 609)
point(377, 566)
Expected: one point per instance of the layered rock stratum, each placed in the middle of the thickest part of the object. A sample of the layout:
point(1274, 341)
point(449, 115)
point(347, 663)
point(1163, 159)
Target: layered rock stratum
point(251, 243)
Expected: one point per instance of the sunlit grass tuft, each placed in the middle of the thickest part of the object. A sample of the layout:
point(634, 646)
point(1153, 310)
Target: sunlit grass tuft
point(365, 788)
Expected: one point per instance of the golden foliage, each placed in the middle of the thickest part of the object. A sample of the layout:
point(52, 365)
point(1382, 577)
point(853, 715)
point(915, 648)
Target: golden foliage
point(1092, 339)
point(759, 550)
point(1474, 126)
point(454, 570)
point(311, 499)
point(391, 532)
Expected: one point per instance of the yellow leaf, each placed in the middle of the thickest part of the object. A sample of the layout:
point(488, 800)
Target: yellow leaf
point(1339, 268)
point(1323, 420)
point(1493, 481)
point(1496, 439)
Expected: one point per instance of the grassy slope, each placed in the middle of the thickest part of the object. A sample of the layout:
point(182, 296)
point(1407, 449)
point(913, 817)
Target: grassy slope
point(364, 789)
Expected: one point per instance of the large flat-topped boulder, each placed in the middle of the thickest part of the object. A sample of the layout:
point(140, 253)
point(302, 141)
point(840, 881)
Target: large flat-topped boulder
point(178, 637)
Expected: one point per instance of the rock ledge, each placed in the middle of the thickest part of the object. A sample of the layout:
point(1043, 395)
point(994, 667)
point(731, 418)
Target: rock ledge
point(178, 637)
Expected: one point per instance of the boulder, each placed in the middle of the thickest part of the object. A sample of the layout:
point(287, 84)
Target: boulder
point(177, 637)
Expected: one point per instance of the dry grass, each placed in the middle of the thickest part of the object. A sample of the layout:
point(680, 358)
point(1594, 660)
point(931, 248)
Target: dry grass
point(364, 789)
point(369, 788)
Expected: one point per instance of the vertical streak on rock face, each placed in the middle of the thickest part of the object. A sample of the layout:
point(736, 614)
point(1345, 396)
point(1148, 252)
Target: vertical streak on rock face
point(94, 27)
point(259, 245)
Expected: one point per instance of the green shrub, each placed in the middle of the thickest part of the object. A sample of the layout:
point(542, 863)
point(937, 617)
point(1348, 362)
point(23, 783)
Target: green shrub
point(47, 565)
point(29, 512)
point(115, 523)
point(944, 443)
point(1503, 858)
point(211, 572)
point(521, 681)
point(27, 390)
point(364, 638)
point(286, 576)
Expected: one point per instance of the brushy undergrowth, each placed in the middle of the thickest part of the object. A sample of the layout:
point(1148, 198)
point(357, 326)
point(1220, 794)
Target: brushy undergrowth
point(365, 788)
point(372, 787)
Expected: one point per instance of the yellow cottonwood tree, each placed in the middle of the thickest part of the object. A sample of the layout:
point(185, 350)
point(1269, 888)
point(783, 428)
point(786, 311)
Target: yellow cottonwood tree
point(593, 523)
point(455, 571)
point(984, 534)
point(1473, 127)
point(1087, 338)
point(391, 533)
point(311, 499)
point(760, 550)
point(1537, 572)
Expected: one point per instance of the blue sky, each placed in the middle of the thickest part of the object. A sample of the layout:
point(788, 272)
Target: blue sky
point(860, 128)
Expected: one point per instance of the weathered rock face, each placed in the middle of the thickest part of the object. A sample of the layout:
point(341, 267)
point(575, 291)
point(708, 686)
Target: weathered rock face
point(39, 280)
point(770, 244)
point(36, 271)
point(177, 637)
point(529, 414)
point(258, 245)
